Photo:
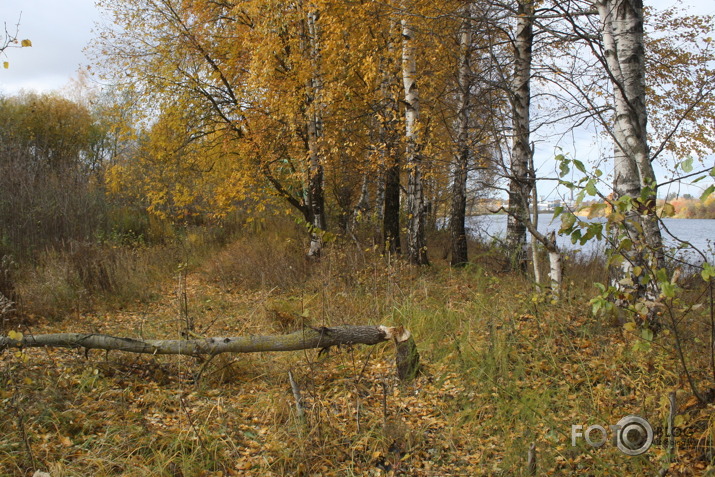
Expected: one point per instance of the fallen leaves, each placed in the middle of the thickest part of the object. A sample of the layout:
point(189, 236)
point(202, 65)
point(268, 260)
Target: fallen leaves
point(489, 389)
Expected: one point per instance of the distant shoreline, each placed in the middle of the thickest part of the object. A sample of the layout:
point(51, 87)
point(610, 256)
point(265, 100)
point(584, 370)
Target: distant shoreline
point(675, 209)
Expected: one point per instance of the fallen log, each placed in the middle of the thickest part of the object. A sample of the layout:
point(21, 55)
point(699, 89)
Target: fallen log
point(307, 338)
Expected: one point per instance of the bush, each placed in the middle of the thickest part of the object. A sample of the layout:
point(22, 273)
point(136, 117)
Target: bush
point(83, 275)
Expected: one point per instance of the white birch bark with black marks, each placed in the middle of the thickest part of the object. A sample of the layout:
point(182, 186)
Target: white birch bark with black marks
point(534, 242)
point(314, 105)
point(555, 266)
point(416, 210)
point(624, 57)
point(520, 182)
point(460, 167)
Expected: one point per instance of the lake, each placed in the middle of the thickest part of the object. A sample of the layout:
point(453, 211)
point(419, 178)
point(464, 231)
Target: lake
point(699, 232)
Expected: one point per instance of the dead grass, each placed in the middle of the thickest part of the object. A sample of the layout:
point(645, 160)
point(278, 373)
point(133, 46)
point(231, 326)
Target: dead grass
point(502, 368)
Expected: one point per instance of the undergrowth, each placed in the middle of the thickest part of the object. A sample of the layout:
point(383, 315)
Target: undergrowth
point(503, 367)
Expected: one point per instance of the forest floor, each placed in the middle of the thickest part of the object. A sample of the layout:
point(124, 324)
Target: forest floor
point(502, 367)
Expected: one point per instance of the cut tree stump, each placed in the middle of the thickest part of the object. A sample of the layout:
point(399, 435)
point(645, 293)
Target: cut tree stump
point(307, 338)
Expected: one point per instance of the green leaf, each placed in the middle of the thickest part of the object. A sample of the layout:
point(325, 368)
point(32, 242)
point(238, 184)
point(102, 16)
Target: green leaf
point(687, 165)
point(567, 221)
point(668, 289)
point(564, 168)
point(708, 272)
point(707, 193)
point(668, 210)
point(641, 346)
point(626, 244)
point(579, 165)
point(591, 188)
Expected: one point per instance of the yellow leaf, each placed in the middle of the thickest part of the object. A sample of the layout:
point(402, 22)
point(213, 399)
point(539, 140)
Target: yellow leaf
point(25, 43)
point(630, 326)
point(5, 64)
point(668, 210)
point(14, 335)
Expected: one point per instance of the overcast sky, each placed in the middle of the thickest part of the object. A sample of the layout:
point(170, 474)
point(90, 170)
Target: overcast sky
point(59, 31)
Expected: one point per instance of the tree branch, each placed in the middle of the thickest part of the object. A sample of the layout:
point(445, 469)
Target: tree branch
point(306, 338)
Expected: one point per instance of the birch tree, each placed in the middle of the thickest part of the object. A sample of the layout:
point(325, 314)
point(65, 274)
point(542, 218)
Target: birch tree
point(459, 255)
point(314, 108)
point(520, 182)
point(416, 210)
point(604, 76)
point(634, 179)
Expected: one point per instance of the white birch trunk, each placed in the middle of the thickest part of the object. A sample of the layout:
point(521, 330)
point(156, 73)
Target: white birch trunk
point(416, 213)
point(534, 241)
point(520, 182)
point(315, 134)
point(460, 166)
point(555, 268)
point(622, 33)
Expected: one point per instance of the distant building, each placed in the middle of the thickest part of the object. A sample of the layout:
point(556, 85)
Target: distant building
point(549, 205)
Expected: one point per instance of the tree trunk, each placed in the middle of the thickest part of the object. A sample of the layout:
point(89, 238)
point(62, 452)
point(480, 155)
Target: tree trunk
point(389, 120)
point(315, 133)
point(416, 213)
point(555, 269)
point(458, 210)
point(534, 241)
point(391, 210)
point(624, 56)
point(519, 181)
point(307, 338)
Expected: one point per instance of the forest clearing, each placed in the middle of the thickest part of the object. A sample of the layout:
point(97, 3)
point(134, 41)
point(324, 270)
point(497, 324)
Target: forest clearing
point(240, 242)
point(501, 367)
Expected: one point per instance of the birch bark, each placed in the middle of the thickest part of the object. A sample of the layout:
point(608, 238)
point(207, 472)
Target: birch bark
point(624, 55)
point(416, 210)
point(459, 255)
point(316, 196)
point(520, 182)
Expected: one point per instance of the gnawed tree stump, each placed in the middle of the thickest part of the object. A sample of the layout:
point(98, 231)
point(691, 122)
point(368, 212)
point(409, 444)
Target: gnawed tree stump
point(306, 338)
point(407, 358)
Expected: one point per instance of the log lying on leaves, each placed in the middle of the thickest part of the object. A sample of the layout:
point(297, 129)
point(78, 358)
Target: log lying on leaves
point(306, 338)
